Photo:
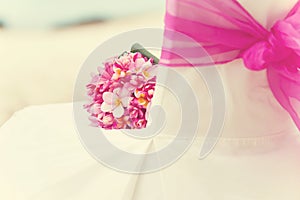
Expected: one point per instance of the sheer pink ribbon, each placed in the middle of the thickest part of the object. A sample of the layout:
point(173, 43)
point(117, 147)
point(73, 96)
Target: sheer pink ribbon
point(227, 32)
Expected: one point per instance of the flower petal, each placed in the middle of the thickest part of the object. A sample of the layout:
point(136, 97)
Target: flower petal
point(129, 86)
point(125, 101)
point(124, 92)
point(116, 91)
point(96, 108)
point(118, 111)
point(139, 62)
point(108, 97)
point(106, 107)
point(147, 65)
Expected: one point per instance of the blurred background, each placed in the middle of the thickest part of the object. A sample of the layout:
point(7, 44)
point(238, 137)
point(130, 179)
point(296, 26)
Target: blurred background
point(44, 42)
point(49, 14)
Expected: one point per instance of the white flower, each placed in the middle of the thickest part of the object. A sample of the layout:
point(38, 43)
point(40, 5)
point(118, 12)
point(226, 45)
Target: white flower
point(148, 70)
point(116, 101)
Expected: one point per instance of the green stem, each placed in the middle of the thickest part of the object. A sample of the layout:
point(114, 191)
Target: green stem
point(139, 48)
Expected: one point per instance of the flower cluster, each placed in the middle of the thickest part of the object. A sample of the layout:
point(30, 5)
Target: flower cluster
point(120, 94)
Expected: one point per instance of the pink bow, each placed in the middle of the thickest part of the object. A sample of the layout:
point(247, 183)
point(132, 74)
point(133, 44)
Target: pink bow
point(226, 31)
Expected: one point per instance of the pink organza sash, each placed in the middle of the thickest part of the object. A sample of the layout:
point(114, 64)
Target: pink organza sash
point(226, 31)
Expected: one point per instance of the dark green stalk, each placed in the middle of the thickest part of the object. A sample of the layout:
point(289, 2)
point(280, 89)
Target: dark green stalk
point(139, 48)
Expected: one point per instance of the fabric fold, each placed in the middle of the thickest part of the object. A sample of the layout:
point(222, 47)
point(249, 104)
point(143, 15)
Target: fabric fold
point(205, 32)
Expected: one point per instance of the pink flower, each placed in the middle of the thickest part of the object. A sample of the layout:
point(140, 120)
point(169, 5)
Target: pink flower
point(141, 98)
point(118, 73)
point(121, 66)
point(106, 73)
point(104, 87)
point(106, 120)
point(140, 123)
point(124, 61)
point(135, 111)
point(95, 109)
point(137, 62)
point(144, 94)
point(134, 81)
point(91, 89)
point(94, 121)
point(138, 55)
point(122, 122)
point(121, 93)
point(148, 90)
point(143, 67)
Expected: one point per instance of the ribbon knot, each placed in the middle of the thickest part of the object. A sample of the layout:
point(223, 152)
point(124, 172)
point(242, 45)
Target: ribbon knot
point(226, 31)
point(280, 48)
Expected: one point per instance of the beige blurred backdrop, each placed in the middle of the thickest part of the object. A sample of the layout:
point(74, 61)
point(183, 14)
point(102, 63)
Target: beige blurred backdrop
point(39, 65)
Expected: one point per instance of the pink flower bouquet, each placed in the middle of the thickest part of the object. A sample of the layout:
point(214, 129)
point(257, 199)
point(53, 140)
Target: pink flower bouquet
point(120, 94)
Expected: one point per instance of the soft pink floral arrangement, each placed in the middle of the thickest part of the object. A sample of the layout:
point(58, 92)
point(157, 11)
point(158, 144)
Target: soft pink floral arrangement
point(120, 94)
